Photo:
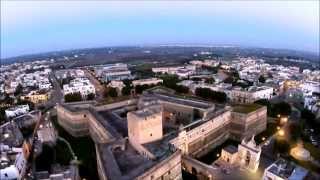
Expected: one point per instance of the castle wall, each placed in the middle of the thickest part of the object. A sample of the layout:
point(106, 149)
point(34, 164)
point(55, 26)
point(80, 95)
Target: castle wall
point(247, 124)
point(170, 168)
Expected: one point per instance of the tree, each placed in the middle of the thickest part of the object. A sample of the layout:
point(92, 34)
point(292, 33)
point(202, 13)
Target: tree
point(181, 89)
point(140, 88)
point(73, 97)
point(113, 92)
point(210, 80)
point(281, 108)
point(19, 89)
point(91, 96)
point(262, 79)
point(196, 79)
point(265, 102)
point(126, 90)
point(170, 81)
point(229, 80)
point(207, 93)
point(307, 115)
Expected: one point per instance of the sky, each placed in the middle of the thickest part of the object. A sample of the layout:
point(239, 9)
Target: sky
point(29, 27)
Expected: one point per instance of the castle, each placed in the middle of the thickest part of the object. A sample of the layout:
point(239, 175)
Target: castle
point(159, 133)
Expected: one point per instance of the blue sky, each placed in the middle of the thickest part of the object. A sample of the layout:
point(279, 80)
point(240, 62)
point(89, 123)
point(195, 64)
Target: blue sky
point(29, 27)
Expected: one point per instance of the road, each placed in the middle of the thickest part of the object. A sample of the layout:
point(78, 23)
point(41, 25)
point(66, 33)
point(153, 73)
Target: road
point(99, 88)
point(56, 93)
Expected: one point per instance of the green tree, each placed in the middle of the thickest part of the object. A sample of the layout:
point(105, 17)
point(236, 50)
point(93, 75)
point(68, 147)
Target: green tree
point(18, 90)
point(170, 81)
point(181, 89)
point(126, 90)
point(265, 102)
point(307, 115)
point(140, 88)
point(262, 79)
point(229, 80)
point(281, 108)
point(207, 93)
point(113, 92)
point(73, 97)
point(91, 96)
point(210, 80)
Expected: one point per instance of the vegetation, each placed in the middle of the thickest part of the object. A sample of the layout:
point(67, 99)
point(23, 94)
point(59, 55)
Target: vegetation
point(207, 93)
point(209, 80)
point(270, 130)
point(170, 81)
point(144, 70)
point(181, 89)
point(65, 81)
point(126, 91)
point(73, 97)
point(213, 70)
point(112, 92)
point(262, 79)
point(265, 102)
point(282, 108)
point(140, 88)
point(18, 91)
point(84, 149)
point(91, 96)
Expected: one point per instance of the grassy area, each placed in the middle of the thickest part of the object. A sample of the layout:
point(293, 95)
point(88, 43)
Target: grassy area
point(84, 149)
point(50, 155)
point(247, 108)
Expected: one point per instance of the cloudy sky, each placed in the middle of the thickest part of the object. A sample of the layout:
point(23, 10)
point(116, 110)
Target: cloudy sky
point(32, 26)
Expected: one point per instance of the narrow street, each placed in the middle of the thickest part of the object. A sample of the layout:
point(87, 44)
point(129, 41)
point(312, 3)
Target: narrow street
point(99, 88)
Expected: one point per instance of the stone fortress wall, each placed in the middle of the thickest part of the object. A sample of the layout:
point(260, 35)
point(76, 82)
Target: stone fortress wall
point(194, 139)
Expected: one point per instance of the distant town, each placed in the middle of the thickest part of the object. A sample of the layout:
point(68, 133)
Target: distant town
point(161, 113)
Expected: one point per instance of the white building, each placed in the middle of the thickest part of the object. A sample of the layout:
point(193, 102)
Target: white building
point(283, 170)
point(16, 111)
point(81, 85)
point(250, 95)
point(181, 71)
point(247, 155)
point(13, 168)
point(110, 75)
point(149, 81)
point(45, 86)
point(118, 85)
point(310, 87)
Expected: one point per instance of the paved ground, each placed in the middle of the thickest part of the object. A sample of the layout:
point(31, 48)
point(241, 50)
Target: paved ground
point(99, 88)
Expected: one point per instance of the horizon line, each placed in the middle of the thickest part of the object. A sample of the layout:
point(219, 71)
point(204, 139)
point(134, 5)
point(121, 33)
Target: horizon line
point(204, 45)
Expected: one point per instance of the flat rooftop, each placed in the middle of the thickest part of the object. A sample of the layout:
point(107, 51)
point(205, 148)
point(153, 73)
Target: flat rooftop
point(171, 98)
point(148, 111)
point(246, 108)
point(122, 162)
